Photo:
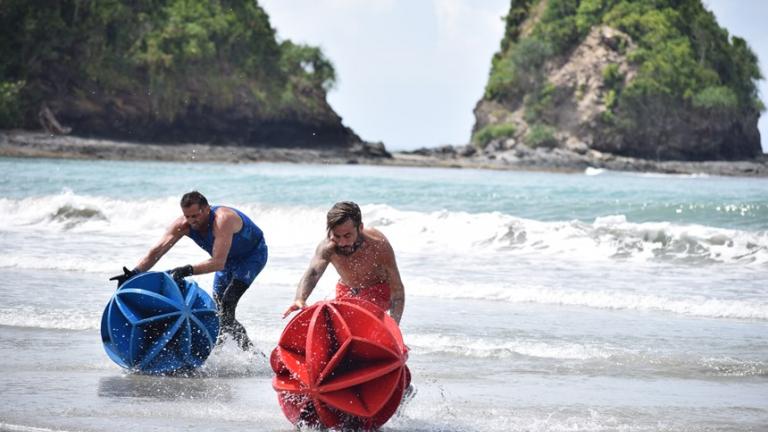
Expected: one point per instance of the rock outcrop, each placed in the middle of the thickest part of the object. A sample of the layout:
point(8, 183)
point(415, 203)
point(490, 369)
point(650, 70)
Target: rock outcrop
point(578, 97)
point(131, 118)
point(166, 72)
point(597, 91)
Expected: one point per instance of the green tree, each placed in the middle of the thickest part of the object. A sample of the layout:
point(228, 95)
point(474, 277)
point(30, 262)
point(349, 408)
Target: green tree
point(519, 71)
point(176, 53)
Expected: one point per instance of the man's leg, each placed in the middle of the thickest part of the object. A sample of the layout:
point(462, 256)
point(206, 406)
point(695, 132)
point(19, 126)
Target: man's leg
point(227, 304)
point(230, 287)
point(220, 283)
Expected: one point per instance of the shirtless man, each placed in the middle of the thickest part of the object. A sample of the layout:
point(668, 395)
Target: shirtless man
point(238, 254)
point(363, 258)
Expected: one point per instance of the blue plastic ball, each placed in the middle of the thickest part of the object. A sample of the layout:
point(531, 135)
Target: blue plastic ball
point(152, 325)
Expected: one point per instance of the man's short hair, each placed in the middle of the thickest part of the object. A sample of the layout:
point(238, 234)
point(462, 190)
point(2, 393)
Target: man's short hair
point(193, 197)
point(342, 212)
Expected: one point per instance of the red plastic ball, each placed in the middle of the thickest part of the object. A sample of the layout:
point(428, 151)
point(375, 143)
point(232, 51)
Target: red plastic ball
point(340, 364)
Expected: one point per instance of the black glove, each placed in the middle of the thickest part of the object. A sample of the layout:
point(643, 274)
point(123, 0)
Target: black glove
point(179, 273)
point(127, 274)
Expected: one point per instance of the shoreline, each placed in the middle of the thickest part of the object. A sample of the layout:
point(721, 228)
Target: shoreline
point(28, 144)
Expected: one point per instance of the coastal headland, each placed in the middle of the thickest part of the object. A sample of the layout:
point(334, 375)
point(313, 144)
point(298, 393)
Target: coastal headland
point(626, 86)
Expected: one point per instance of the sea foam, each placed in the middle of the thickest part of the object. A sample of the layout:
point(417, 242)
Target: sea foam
point(97, 221)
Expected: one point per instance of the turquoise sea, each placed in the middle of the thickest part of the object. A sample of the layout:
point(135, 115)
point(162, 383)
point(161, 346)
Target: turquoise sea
point(596, 301)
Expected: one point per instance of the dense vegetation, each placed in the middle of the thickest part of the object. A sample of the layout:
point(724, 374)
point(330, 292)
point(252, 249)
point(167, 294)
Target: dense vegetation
point(686, 63)
point(166, 57)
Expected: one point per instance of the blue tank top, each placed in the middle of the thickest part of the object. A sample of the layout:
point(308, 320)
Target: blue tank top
point(244, 242)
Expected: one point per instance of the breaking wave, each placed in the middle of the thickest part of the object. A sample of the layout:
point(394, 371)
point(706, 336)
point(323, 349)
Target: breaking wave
point(611, 238)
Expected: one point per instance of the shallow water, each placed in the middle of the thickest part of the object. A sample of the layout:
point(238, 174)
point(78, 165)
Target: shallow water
point(535, 302)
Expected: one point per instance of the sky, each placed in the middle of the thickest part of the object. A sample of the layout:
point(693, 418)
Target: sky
point(409, 72)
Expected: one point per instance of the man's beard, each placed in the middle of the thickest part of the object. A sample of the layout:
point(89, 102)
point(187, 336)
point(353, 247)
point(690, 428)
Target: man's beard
point(349, 250)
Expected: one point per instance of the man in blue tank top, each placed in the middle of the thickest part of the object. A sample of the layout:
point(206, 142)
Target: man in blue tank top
point(238, 254)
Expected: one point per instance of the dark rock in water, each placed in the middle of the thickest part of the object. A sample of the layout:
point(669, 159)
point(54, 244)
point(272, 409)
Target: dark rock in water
point(422, 151)
point(446, 150)
point(440, 151)
point(466, 150)
point(366, 149)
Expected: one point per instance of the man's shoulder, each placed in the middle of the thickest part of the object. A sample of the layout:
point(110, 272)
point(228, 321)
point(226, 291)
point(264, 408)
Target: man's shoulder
point(224, 211)
point(179, 226)
point(227, 215)
point(377, 239)
point(375, 235)
point(326, 246)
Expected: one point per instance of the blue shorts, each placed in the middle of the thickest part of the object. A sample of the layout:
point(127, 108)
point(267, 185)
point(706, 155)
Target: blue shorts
point(244, 269)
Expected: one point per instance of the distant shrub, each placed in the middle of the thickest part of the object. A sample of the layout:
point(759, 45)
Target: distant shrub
point(758, 104)
point(518, 13)
point(519, 70)
point(308, 64)
point(561, 35)
point(609, 99)
point(718, 98)
point(493, 131)
point(608, 117)
point(10, 112)
point(502, 83)
point(541, 135)
point(613, 82)
point(612, 77)
point(539, 102)
point(590, 12)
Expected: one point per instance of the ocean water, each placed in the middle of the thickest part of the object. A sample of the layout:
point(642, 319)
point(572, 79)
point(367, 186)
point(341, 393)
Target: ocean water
point(598, 301)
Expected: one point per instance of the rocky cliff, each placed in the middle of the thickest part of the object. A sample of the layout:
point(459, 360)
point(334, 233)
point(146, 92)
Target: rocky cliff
point(657, 80)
